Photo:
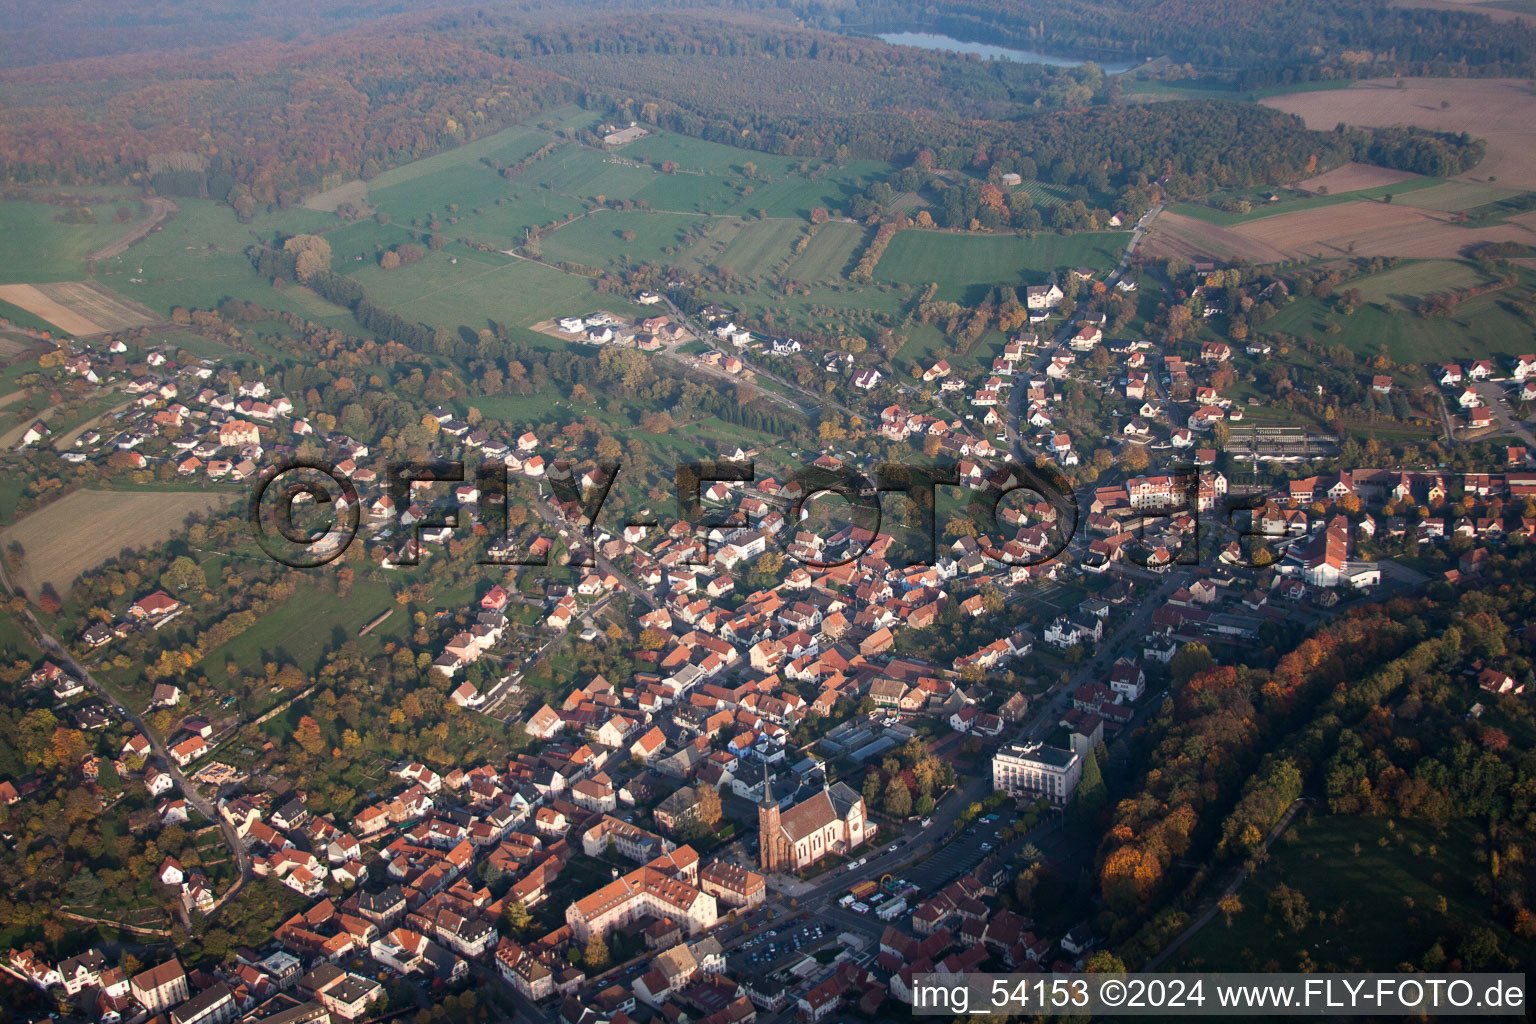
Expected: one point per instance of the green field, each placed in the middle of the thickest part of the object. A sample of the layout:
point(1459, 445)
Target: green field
point(587, 174)
point(965, 266)
point(197, 260)
point(1484, 327)
point(39, 248)
point(305, 626)
point(830, 253)
point(1379, 887)
point(761, 247)
point(1210, 88)
point(1452, 196)
point(505, 225)
point(1402, 286)
point(597, 240)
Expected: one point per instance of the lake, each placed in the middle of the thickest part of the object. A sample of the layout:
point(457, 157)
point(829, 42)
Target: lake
point(930, 41)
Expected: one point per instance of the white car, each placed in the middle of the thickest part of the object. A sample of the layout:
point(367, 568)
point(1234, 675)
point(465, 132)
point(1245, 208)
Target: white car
point(891, 848)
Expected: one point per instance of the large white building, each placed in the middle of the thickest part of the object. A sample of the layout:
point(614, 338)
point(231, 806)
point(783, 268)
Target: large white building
point(1035, 769)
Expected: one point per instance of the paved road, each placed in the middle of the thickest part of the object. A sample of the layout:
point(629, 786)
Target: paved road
point(1493, 395)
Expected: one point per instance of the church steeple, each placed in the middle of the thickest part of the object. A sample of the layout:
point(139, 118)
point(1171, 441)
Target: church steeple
point(768, 841)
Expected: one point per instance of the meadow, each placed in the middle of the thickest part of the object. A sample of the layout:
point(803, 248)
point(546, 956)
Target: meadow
point(1484, 327)
point(1400, 192)
point(39, 247)
point(1378, 882)
point(966, 266)
point(305, 627)
point(830, 254)
point(597, 239)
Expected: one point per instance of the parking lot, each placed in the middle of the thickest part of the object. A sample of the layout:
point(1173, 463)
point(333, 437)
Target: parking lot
point(770, 948)
point(959, 855)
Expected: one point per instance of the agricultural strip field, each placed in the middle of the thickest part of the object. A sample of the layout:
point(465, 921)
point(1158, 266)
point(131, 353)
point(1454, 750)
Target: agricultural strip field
point(77, 307)
point(1453, 196)
point(761, 247)
point(1354, 228)
point(1043, 195)
point(86, 528)
point(965, 266)
point(830, 253)
point(1352, 177)
point(1497, 110)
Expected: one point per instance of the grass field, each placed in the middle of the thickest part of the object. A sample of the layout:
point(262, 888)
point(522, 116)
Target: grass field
point(83, 529)
point(1383, 883)
point(483, 287)
point(1485, 327)
point(1403, 285)
point(830, 253)
point(1451, 196)
point(307, 625)
point(505, 225)
point(597, 240)
point(40, 248)
point(586, 174)
point(199, 259)
point(761, 247)
point(966, 266)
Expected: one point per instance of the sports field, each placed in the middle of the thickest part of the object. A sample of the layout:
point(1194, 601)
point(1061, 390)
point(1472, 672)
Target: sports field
point(85, 528)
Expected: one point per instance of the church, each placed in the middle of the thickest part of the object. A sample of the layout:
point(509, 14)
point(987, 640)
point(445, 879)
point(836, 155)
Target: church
point(831, 821)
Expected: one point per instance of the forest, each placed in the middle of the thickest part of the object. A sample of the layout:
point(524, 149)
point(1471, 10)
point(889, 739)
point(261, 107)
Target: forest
point(1266, 42)
point(1367, 717)
point(268, 123)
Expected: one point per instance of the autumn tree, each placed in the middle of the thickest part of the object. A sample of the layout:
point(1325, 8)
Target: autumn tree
point(596, 955)
point(898, 799)
point(311, 253)
point(308, 736)
point(709, 805)
point(183, 574)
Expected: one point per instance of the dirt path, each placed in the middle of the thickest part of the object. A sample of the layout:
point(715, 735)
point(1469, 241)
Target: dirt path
point(161, 210)
point(11, 437)
point(63, 442)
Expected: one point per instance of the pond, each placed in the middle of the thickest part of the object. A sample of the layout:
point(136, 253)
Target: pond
point(931, 41)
